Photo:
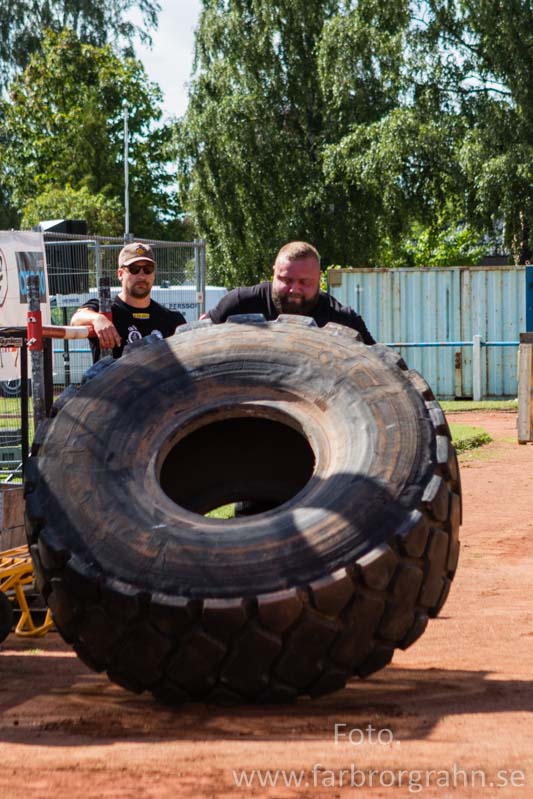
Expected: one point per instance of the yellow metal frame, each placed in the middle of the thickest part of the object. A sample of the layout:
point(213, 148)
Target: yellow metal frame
point(16, 571)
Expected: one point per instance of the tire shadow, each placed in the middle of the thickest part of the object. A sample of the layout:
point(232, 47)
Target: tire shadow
point(48, 697)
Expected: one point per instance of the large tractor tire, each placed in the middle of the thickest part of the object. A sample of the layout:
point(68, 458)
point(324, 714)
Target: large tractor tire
point(344, 451)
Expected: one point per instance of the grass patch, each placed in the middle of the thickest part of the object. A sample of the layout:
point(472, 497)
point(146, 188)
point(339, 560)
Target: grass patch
point(10, 414)
point(224, 512)
point(465, 437)
point(454, 406)
point(13, 481)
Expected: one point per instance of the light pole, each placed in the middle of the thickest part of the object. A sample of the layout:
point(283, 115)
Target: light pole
point(126, 175)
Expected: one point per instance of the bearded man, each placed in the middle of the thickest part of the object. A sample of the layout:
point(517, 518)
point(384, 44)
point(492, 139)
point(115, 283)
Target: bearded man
point(134, 314)
point(294, 289)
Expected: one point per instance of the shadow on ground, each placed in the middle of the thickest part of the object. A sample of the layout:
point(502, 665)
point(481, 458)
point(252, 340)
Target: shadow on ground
point(48, 696)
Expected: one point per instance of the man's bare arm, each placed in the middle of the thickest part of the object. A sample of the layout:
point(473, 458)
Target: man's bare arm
point(103, 327)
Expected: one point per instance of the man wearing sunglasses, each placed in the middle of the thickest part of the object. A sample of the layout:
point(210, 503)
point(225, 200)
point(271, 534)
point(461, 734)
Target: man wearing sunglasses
point(134, 313)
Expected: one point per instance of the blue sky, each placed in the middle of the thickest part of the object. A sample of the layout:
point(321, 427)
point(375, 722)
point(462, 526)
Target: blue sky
point(169, 61)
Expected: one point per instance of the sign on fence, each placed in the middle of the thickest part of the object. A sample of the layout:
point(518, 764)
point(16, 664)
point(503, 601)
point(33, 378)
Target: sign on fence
point(22, 254)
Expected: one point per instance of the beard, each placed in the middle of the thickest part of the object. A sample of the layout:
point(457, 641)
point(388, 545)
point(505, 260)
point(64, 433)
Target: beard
point(140, 290)
point(284, 304)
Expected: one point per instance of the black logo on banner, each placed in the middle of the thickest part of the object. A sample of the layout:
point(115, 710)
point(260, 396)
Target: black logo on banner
point(28, 264)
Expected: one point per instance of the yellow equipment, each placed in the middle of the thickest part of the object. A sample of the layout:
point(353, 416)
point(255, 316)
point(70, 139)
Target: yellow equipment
point(16, 571)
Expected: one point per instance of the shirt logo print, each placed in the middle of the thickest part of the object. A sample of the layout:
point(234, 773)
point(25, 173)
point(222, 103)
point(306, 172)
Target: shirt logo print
point(134, 334)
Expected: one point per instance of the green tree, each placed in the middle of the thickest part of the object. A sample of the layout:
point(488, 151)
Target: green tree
point(405, 166)
point(454, 159)
point(359, 125)
point(482, 52)
point(97, 22)
point(63, 124)
point(263, 110)
point(8, 215)
point(104, 215)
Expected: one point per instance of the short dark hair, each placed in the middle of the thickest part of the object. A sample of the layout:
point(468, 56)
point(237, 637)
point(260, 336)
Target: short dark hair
point(295, 250)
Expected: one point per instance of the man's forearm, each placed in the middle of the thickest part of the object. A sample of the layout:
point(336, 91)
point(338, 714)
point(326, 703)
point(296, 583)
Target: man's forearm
point(85, 316)
point(104, 328)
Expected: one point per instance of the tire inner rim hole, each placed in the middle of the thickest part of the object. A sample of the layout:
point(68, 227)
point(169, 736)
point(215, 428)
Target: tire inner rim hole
point(255, 462)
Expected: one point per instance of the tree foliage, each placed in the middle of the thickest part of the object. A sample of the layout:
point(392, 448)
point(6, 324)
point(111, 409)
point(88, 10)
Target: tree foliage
point(263, 108)
point(63, 126)
point(358, 125)
point(97, 22)
point(483, 50)
point(104, 215)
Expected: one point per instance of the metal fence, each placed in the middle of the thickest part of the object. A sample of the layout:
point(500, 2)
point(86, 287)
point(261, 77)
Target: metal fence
point(13, 413)
point(16, 405)
point(435, 316)
point(75, 263)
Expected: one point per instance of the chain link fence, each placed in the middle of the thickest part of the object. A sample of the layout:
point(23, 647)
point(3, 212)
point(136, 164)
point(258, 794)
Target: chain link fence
point(75, 264)
point(14, 410)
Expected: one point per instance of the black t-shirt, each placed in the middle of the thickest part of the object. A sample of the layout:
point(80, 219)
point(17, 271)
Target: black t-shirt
point(258, 299)
point(135, 323)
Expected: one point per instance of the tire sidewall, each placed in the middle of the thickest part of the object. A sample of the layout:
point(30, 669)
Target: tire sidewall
point(120, 423)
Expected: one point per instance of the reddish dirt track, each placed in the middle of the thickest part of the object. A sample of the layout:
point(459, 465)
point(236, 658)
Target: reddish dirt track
point(460, 699)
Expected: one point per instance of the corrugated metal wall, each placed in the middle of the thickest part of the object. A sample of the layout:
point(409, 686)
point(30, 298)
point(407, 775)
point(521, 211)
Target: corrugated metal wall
point(444, 304)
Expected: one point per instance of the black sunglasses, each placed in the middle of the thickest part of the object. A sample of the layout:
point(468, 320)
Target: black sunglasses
point(134, 269)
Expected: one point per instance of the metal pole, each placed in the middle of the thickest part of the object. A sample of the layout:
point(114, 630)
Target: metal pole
point(476, 368)
point(198, 278)
point(203, 269)
point(48, 360)
point(66, 350)
point(35, 346)
point(97, 260)
point(529, 298)
point(525, 388)
point(126, 175)
point(104, 303)
point(24, 402)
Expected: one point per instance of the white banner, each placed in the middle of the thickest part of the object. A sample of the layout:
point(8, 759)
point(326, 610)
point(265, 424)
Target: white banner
point(21, 254)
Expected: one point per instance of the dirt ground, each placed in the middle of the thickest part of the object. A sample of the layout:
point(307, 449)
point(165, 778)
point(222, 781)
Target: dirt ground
point(453, 712)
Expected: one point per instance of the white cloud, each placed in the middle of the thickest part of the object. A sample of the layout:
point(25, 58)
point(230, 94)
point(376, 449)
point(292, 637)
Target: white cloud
point(169, 61)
